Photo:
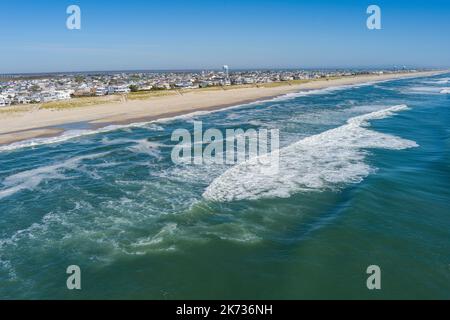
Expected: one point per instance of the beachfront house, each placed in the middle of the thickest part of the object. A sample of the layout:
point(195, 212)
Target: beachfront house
point(49, 96)
point(225, 82)
point(186, 85)
point(22, 100)
point(121, 89)
point(63, 94)
point(35, 98)
point(205, 84)
point(238, 81)
point(145, 87)
point(101, 91)
point(162, 86)
point(287, 78)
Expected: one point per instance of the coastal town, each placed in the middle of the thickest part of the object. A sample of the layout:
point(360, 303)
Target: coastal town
point(43, 88)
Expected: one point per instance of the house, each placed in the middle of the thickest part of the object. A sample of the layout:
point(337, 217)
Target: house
point(145, 87)
point(47, 96)
point(35, 98)
point(162, 85)
point(225, 82)
point(185, 85)
point(205, 84)
point(63, 95)
point(22, 100)
point(101, 91)
point(118, 89)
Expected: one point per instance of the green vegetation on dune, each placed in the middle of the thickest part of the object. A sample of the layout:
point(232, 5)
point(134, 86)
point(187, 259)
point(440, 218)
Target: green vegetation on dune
point(80, 102)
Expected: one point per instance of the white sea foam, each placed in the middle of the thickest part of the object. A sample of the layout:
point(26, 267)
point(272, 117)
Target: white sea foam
point(319, 162)
point(71, 134)
point(332, 89)
point(146, 147)
point(439, 81)
point(30, 179)
point(431, 90)
point(169, 229)
point(424, 90)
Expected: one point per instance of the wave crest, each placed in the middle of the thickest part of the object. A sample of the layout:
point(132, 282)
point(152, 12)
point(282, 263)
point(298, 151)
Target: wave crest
point(319, 162)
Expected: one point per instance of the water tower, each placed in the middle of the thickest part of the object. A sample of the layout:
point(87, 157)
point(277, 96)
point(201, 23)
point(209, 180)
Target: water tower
point(226, 71)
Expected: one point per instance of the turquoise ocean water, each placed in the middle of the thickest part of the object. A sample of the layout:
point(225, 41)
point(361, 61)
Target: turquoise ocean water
point(364, 180)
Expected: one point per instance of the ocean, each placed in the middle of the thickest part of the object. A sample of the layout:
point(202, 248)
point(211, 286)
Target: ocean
point(363, 179)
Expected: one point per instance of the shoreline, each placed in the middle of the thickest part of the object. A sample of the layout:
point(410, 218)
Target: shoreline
point(44, 123)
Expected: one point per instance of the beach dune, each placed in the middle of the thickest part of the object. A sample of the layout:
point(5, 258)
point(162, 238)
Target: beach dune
point(19, 126)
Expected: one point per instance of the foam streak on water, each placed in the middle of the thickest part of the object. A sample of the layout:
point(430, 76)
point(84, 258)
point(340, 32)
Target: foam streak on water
point(30, 179)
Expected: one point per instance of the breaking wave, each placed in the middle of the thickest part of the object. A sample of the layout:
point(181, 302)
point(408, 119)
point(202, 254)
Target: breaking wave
point(319, 162)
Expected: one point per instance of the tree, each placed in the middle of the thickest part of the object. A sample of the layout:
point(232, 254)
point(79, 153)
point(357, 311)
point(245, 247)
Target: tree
point(134, 88)
point(79, 79)
point(35, 88)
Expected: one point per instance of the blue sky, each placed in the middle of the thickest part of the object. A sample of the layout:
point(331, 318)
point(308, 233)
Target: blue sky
point(197, 34)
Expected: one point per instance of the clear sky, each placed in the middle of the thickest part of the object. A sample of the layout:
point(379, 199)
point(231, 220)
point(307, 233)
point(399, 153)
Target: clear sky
point(197, 34)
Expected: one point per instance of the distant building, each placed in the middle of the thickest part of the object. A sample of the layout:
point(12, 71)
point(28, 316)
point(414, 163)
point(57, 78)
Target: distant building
point(162, 86)
point(22, 100)
point(118, 89)
point(226, 71)
point(185, 85)
point(19, 90)
point(101, 91)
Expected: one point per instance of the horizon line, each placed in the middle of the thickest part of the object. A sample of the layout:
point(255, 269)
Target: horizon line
point(235, 69)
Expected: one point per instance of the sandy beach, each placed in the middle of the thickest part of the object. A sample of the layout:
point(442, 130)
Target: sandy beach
point(19, 126)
